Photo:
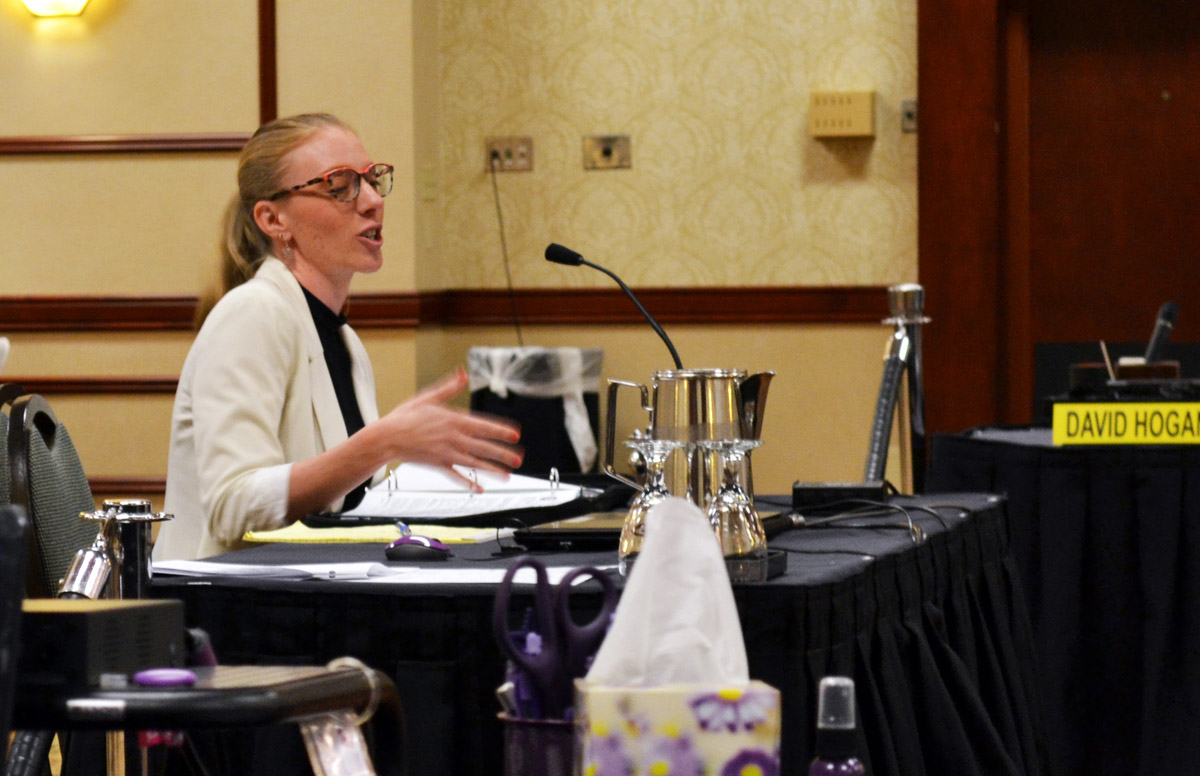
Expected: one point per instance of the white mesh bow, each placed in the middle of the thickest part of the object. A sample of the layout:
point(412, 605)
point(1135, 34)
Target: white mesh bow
point(545, 373)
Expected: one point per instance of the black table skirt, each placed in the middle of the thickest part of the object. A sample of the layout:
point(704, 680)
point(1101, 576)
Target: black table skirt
point(1107, 543)
point(936, 636)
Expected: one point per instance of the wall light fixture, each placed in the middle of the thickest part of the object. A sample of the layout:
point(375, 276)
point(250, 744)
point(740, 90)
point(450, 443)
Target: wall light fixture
point(55, 7)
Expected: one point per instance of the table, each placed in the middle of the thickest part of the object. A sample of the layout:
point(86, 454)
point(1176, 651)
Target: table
point(1106, 540)
point(935, 635)
point(222, 698)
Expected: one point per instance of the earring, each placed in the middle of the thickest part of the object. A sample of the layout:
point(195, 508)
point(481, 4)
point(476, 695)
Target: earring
point(287, 248)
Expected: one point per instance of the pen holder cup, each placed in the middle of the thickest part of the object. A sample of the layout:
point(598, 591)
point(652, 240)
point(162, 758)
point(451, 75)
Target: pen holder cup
point(538, 747)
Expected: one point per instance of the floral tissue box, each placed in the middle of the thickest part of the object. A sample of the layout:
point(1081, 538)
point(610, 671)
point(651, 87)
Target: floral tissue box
point(681, 730)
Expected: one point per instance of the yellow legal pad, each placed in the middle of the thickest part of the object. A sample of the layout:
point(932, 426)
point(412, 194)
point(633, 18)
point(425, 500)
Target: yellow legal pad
point(302, 534)
point(1127, 423)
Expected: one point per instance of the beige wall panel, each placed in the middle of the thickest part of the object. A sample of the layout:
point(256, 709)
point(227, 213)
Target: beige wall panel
point(426, 115)
point(99, 354)
point(355, 60)
point(393, 357)
point(112, 224)
point(725, 188)
point(130, 67)
point(821, 403)
point(118, 436)
point(434, 356)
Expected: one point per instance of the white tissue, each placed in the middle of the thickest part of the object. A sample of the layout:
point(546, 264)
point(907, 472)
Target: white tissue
point(677, 621)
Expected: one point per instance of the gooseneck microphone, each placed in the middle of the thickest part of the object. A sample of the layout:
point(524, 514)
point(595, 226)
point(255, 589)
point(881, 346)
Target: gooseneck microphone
point(1167, 315)
point(560, 254)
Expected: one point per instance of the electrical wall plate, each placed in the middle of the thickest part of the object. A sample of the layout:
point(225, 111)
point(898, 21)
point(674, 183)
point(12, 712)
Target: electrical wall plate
point(606, 152)
point(841, 114)
point(509, 154)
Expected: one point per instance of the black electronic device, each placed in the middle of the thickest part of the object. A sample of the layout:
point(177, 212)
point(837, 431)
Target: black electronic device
point(819, 495)
point(73, 642)
point(595, 532)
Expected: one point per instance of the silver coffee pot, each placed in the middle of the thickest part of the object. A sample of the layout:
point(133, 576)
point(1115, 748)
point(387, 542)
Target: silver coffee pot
point(698, 408)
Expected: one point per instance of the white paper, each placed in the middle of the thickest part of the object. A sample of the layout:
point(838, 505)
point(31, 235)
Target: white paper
point(425, 575)
point(202, 568)
point(414, 490)
point(677, 622)
point(366, 572)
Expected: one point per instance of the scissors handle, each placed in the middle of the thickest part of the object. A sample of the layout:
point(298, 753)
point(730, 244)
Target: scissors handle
point(546, 667)
point(579, 641)
point(542, 607)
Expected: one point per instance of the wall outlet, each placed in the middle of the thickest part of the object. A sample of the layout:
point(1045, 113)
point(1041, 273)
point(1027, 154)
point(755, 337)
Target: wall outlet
point(508, 154)
point(606, 152)
point(841, 114)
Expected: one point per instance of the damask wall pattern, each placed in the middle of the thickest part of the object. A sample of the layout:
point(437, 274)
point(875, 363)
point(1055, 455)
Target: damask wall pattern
point(726, 187)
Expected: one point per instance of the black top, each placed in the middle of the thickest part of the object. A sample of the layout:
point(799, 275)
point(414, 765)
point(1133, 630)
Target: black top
point(337, 359)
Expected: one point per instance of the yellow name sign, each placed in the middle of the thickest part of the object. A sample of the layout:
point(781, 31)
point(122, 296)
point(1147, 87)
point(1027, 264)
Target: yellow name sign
point(1127, 423)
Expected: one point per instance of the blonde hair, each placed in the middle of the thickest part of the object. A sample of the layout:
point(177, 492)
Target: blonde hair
point(260, 171)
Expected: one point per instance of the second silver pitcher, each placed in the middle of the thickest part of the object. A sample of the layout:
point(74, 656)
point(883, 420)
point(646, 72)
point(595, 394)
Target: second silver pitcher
point(694, 406)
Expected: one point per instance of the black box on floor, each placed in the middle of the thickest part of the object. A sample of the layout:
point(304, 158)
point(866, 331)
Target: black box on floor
point(72, 642)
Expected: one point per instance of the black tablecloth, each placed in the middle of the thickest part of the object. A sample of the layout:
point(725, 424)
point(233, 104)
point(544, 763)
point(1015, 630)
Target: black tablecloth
point(1107, 542)
point(936, 636)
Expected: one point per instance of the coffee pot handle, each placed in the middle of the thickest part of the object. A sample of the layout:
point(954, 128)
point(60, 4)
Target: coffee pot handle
point(611, 427)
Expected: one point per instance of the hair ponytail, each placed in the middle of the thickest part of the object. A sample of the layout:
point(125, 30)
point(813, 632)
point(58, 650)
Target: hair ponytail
point(243, 247)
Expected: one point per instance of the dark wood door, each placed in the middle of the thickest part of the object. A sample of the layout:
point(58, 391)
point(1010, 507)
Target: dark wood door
point(1059, 187)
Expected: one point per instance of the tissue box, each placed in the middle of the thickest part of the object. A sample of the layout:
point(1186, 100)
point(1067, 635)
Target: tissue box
point(683, 730)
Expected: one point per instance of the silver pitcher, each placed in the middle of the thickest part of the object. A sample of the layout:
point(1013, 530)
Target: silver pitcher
point(694, 406)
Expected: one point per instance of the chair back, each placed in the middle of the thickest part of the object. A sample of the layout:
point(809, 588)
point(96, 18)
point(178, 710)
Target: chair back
point(48, 482)
point(14, 539)
point(8, 394)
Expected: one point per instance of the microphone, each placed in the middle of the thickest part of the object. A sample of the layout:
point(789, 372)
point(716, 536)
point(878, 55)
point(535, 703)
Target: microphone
point(560, 254)
point(1167, 314)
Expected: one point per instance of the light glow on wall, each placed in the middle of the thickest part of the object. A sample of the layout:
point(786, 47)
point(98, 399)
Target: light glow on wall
point(55, 7)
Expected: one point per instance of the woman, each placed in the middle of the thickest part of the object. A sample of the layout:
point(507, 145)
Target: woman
point(275, 414)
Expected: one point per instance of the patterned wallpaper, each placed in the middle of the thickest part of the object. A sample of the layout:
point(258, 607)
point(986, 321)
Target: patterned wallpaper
point(726, 187)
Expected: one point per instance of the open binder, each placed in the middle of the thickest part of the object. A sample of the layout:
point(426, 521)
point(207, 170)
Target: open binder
point(426, 494)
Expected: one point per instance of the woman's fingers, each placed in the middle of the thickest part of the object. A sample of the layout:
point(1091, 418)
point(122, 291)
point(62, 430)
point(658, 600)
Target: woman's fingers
point(470, 484)
point(425, 429)
point(487, 427)
point(493, 456)
point(444, 389)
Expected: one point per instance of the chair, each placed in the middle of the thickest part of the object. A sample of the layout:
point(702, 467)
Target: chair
point(8, 394)
point(14, 538)
point(48, 482)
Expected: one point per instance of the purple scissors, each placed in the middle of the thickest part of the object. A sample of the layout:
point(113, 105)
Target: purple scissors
point(566, 645)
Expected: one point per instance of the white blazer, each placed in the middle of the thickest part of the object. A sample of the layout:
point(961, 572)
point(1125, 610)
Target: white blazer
point(254, 397)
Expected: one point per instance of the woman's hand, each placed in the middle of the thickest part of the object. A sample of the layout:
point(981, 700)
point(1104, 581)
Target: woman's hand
point(425, 430)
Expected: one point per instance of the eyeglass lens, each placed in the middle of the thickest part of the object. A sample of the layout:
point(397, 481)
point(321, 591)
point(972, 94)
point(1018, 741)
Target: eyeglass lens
point(344, 184)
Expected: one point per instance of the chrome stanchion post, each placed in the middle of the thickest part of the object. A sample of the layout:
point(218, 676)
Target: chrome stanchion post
point(906, 302)
point(123, 545)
